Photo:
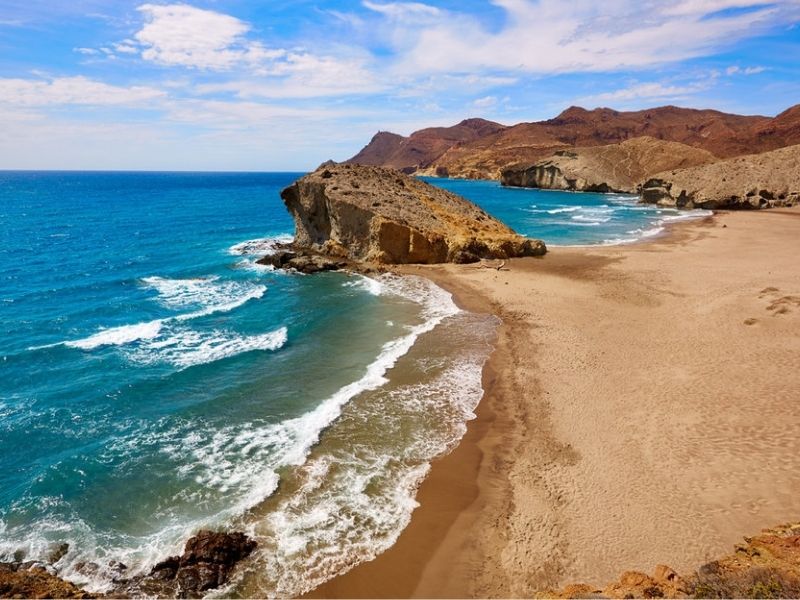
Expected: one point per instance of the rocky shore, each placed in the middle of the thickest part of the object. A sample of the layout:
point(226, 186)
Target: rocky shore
point(207, 562)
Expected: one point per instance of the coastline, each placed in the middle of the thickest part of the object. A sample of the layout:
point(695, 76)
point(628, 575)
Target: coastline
point(544, 490)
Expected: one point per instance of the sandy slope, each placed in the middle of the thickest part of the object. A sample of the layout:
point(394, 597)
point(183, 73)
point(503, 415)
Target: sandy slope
point(642, 407)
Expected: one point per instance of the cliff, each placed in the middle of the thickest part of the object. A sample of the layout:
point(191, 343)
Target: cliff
point(611, 168)
point(754, 181)
point(358, 214)
point(482, 151)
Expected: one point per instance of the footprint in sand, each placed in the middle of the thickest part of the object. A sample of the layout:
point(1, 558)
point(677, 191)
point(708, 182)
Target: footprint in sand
point(778, 306)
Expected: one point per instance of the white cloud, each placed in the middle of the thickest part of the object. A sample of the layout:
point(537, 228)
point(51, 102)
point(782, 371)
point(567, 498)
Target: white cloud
point(182, 35)
point(736, 70)
point(126, 47)
point(552, 36)
point(86, 51)
point(485, 102)
point(645, 91)
point(74, 90)
point(403, 10)
point(704, 7)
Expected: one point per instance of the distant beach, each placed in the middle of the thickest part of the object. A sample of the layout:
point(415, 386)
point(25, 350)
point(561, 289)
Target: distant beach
point(640, 409)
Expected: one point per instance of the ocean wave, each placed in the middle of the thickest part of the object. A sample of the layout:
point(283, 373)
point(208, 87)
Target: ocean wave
point(366, 284)
point(591, 218)
point(189, 348)
point(208, 292)
point(118, 336)
point(174, 293)
point(564, 209)
point(260, 246)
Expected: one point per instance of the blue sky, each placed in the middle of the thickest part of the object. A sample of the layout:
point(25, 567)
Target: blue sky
point(249, 85)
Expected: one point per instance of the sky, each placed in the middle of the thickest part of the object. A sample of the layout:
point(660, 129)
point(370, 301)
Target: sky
point(250, 85)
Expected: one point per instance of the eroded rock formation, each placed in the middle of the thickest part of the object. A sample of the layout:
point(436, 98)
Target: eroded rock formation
point(359, 214)
point(611, 168)
point(755, 181)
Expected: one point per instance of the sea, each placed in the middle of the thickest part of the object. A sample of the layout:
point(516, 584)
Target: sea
point(155, 380)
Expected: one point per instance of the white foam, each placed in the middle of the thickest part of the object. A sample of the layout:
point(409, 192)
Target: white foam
point(118, 336)
point(188, 348)
point(364, 283)
point(250, 264)
point(232, 304)
point(564, 209)
point(591, 219)
point(260, 246)
point(174, 293)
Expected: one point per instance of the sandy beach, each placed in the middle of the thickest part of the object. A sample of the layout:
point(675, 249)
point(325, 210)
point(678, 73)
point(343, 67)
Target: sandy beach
point(641, 408)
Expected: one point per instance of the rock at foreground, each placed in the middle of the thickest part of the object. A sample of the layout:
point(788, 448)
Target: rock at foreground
point(754, 181)
point(379, 215)
point(765, 566)
point(610, 168)
point(207, 563)
point(18, 580)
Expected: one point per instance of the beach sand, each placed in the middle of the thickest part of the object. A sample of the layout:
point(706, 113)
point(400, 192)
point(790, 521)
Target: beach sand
point(642, 406)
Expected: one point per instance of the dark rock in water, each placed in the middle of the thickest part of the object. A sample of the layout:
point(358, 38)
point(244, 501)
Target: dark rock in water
point(17, 581)
point(304, 262)
point(58, 553)
point(207, 562)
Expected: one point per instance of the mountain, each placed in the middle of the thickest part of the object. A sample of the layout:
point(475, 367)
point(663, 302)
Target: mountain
point(422, 147)
point(481, 149)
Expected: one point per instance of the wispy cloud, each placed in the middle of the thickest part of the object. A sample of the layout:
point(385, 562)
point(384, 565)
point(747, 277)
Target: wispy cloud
point(74, 90)
point(549, 36)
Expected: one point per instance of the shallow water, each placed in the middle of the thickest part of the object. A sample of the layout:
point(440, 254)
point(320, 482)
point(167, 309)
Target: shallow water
point(569, 218)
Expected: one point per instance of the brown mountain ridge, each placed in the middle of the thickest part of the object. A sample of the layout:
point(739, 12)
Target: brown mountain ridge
point(476, 148)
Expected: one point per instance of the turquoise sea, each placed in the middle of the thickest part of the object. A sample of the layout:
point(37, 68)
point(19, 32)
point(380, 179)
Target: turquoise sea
point(155, 380)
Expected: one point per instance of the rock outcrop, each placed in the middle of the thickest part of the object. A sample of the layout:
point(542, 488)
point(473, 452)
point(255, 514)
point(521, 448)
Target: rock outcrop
point(207, 562)
point(481, 149)
point(611, 168)
point(31, 580)
point(361, 214)
point(755, 181)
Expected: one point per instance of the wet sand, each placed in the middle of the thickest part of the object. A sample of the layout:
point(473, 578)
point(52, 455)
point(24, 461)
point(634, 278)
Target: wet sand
point(642, 406)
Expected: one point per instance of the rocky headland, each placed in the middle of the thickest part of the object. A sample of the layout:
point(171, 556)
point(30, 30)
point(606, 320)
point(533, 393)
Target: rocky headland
point(610, 168)
point(761, 180)
point(352, 216)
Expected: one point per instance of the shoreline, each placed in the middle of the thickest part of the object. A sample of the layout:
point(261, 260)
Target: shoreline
point(471, 530)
